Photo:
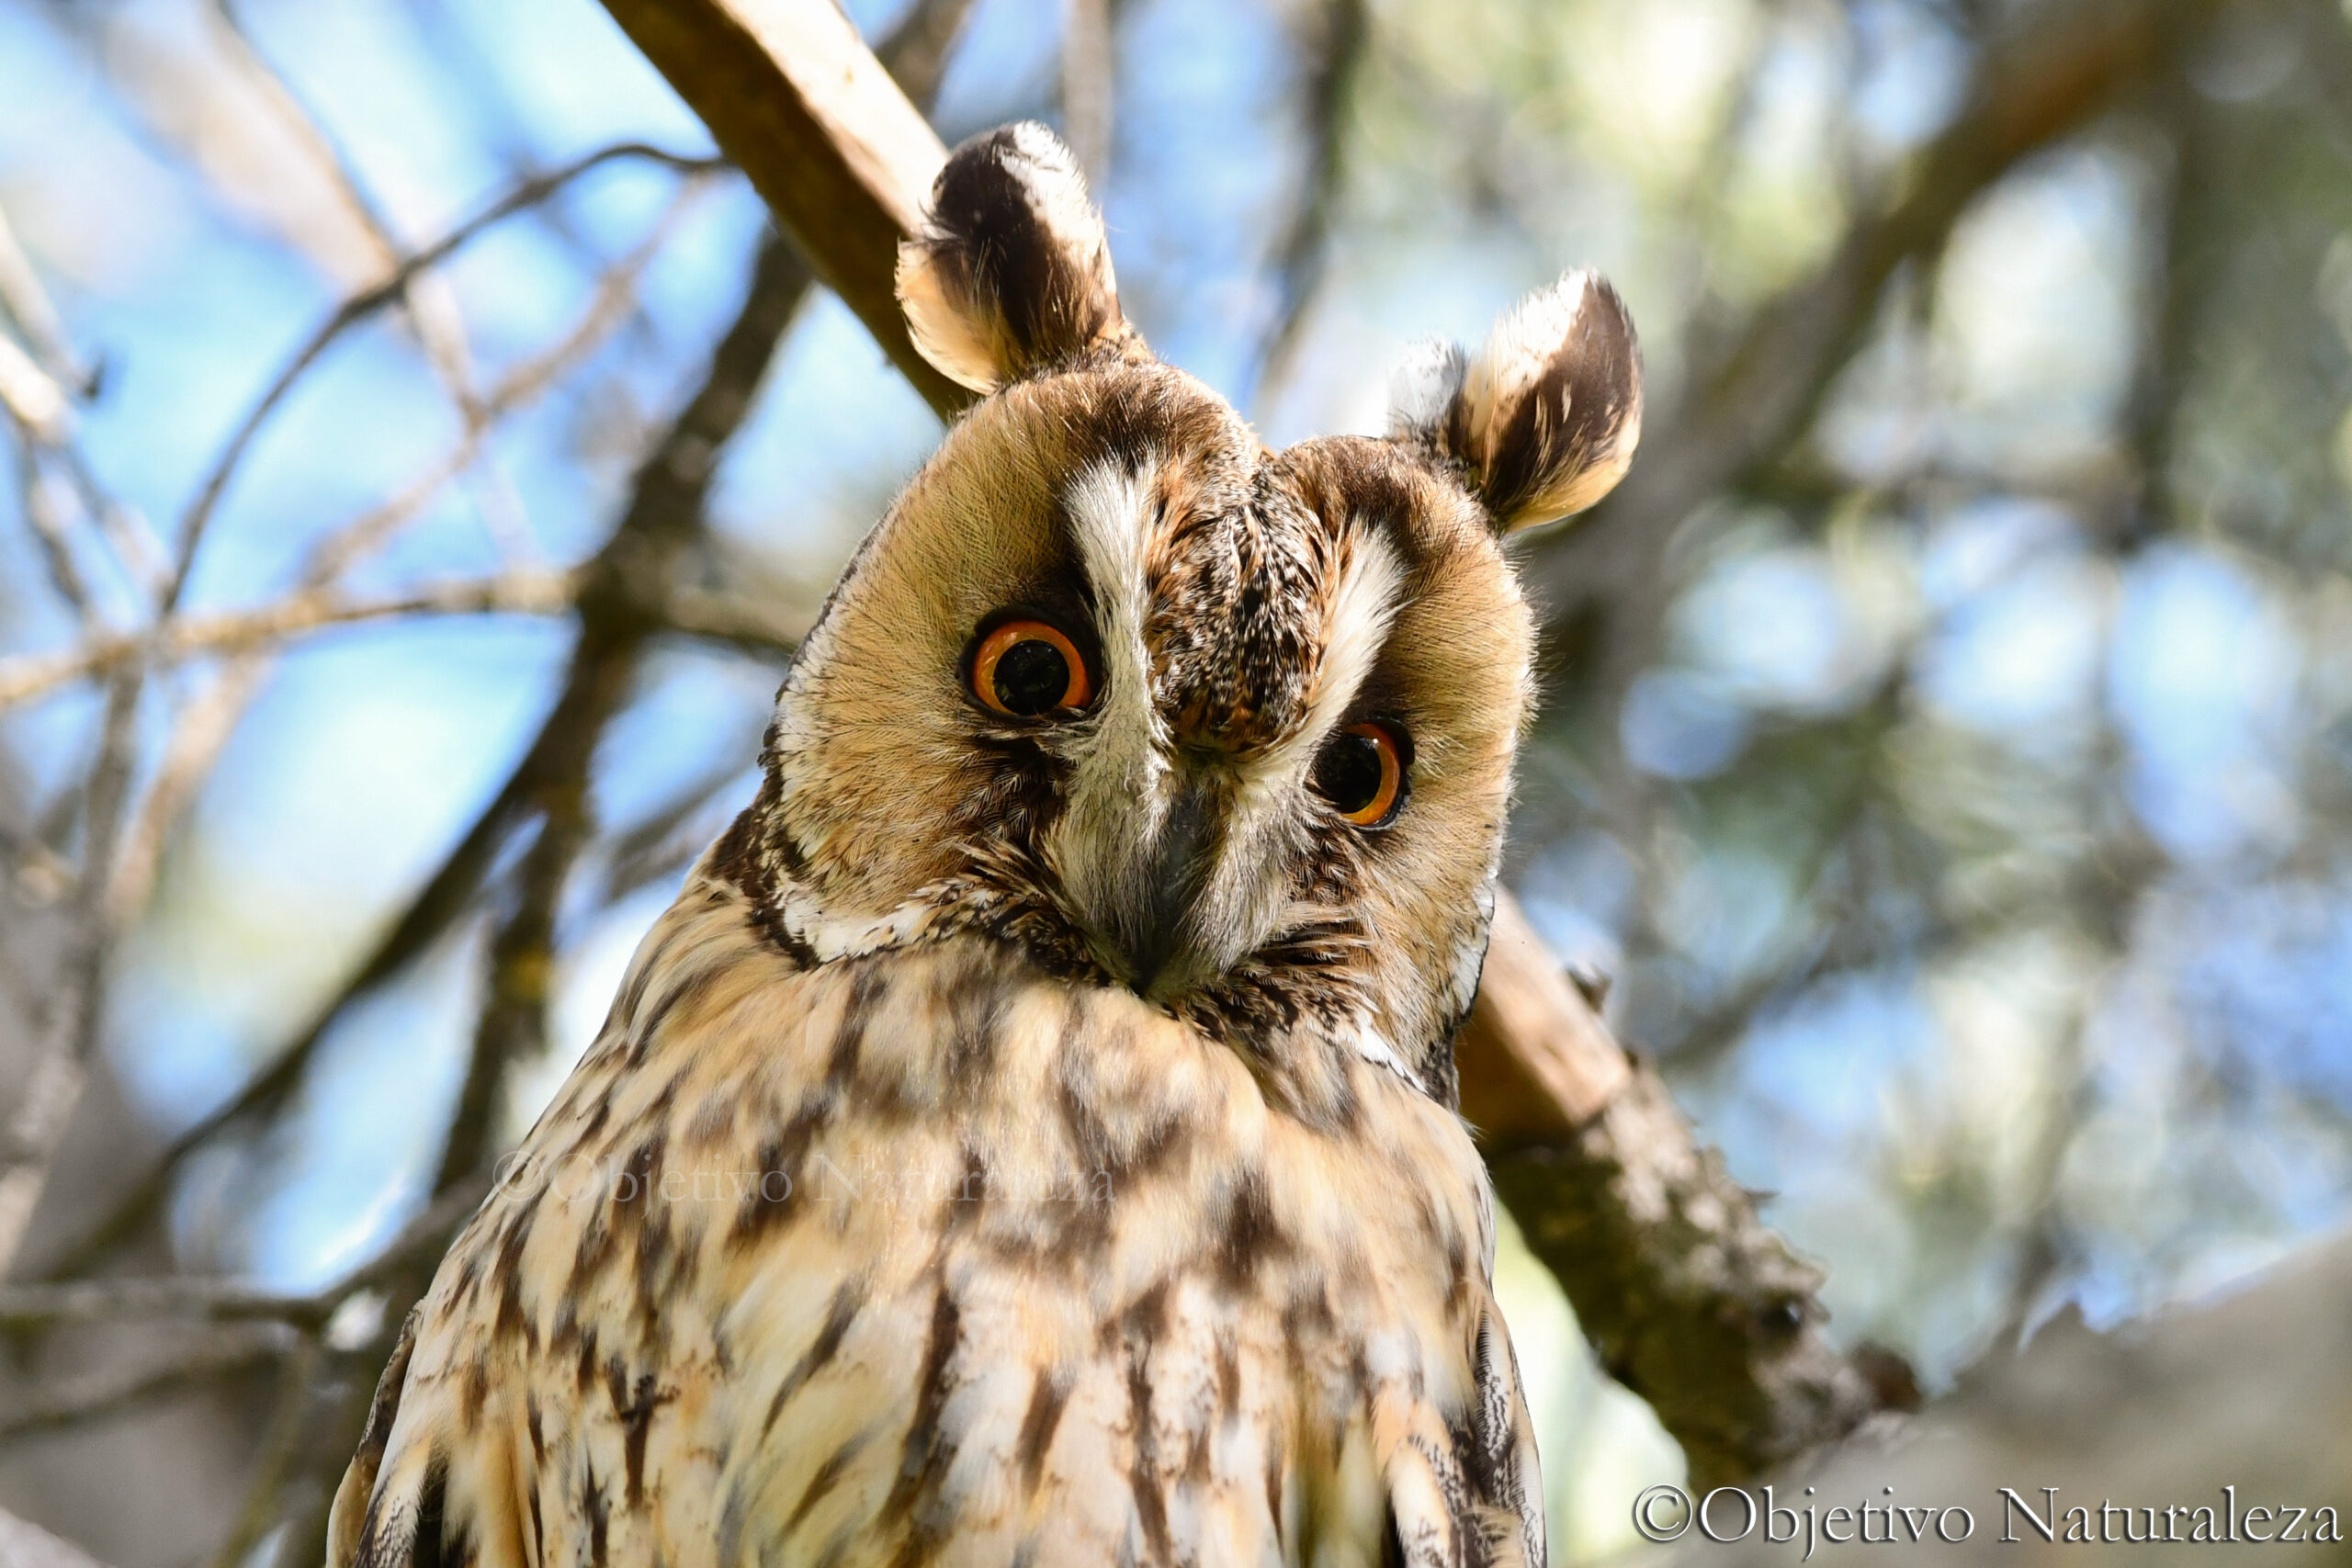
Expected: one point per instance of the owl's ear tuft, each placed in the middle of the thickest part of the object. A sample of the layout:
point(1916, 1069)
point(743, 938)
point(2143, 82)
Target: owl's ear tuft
point(1544, 419)
point(1011, 271)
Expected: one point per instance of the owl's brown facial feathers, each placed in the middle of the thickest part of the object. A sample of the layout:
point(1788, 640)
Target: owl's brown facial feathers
point(1235, 620)
point(1243, 610)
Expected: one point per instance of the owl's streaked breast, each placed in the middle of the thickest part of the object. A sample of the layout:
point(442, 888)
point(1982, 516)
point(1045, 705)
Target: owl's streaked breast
point(934, 1258)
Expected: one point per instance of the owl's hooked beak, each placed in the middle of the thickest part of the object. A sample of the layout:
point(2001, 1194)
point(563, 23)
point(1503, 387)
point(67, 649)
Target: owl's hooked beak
point(1158, 943)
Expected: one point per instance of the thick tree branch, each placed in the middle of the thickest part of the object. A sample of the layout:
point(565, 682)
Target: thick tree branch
point(1688, 1299)
point(799, 103)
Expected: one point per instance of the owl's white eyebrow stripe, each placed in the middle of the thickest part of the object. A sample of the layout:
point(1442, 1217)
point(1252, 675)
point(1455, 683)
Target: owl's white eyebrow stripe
point(1363, 607)
point(1109, 506)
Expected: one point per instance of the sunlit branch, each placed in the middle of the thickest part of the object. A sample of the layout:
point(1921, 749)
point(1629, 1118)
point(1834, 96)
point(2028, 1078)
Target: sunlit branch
point(27, 305)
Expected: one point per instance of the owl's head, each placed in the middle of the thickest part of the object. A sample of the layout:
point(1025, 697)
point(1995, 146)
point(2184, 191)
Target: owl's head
point(1226, 726)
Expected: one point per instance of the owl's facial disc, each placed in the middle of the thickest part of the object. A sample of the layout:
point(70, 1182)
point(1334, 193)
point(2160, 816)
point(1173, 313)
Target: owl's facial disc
point(1227, 729)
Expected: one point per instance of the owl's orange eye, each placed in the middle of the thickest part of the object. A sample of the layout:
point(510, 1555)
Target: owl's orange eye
point(1362, 774)
point(1026, 668)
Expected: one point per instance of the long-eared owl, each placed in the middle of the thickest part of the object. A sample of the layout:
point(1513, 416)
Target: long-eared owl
point(1029, 1138)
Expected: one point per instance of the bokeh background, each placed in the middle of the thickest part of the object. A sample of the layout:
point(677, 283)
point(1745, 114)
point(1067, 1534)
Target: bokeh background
point(1947, 738)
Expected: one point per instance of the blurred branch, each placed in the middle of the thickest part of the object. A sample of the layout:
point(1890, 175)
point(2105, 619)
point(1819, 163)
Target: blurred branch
point(359, 307)
point(171, 1295)
point(206, 724)
point(110, 1393)
point(2183, 273)
point(751, 625)
point(1753, 386)
point(29, 394)
point(232, 1301)
point(281, 1446)
point(1334, 46)
point(36, 1126)
point(1696, 1305)
point(1090, 81)
point(36, 391)
point(195, 637)
point(432, 305)
point(667, 840)
point(664, 515)
point(26, 1545)
point(26, 305)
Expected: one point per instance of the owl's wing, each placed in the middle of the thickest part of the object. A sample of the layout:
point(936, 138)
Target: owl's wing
point(924, 1257)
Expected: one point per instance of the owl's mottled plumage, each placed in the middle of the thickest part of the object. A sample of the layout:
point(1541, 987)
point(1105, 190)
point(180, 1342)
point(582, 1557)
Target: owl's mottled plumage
point(1029, 1140)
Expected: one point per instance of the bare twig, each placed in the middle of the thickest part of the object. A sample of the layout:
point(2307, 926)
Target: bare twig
point(29, 1141)
point(27, 305)
point(359, 307)
point(196, 637)
point(1330, 50)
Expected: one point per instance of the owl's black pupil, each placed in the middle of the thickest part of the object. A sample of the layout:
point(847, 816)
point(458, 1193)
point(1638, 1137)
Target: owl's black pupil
point(1031, 677)
point(1349, 775)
